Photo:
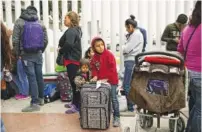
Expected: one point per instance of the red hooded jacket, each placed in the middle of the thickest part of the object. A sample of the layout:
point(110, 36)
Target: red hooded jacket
point(104, 65)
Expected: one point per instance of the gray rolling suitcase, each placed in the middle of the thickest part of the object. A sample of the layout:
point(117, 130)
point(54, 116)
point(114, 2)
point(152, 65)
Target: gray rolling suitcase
point(95, 106)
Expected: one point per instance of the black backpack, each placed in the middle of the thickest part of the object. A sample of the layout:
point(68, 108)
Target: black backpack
point(10, 91)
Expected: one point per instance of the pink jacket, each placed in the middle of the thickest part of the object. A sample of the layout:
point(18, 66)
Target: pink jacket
point(193, 56)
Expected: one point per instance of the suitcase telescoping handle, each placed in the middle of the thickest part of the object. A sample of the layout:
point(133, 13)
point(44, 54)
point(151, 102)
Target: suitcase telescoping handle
point(138, 60)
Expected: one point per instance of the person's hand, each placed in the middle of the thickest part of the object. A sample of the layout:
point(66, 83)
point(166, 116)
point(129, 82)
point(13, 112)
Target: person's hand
point(94, 79)
point(83, 81)
point(58, 49)
point(9, 32)
point(104, 80)
point(177, 40)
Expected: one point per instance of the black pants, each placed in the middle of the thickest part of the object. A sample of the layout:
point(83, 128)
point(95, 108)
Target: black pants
point(72, 70)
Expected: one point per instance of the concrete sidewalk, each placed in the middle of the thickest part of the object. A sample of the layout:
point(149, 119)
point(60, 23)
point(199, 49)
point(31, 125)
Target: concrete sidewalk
point(12, 115)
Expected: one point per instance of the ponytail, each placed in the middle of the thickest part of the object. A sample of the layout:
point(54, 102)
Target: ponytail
point(131, 21)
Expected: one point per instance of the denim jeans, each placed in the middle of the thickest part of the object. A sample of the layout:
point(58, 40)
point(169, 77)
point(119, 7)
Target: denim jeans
point(191, 102)
point(33, 69)
point(2, 126)
point(115, 103)
point(126, 81)
point(21, 79)
point(194, 121)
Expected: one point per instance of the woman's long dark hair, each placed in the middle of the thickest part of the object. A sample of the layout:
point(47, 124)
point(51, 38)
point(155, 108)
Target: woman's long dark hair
point(196, 15)
point(6, 52)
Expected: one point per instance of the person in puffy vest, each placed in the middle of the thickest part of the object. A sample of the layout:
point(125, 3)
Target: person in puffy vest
point(29, 42)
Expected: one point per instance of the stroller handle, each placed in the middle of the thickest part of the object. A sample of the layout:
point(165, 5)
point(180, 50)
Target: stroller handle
point(137, 57)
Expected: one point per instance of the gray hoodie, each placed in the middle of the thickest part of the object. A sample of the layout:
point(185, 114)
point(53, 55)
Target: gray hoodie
point(29, 14)
point(133, 45)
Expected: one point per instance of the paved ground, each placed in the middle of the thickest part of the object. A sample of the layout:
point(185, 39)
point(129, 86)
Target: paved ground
point(51, 118)
point(41, 122)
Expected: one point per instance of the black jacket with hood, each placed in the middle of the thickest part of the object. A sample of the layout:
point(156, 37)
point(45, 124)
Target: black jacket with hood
point(70, 44)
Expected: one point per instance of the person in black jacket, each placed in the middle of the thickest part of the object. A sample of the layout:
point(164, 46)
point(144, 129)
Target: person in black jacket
point(70, 47)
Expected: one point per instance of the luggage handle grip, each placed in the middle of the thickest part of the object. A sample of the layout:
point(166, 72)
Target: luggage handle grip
point(137, 57)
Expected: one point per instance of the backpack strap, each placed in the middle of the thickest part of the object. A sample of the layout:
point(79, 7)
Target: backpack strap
point(185, 54)
point(37, 21)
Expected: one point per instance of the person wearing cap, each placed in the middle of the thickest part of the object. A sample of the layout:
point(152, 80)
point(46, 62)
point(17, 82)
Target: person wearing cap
point(172, 32)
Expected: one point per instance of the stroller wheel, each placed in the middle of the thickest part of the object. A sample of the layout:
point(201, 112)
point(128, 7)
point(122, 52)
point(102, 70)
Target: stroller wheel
point(149, 122)
point(180, 125)
point(142, 122)
point(127, 129)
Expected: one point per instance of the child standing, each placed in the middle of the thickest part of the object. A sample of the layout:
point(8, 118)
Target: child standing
point(103, 67)
point(82, 77)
